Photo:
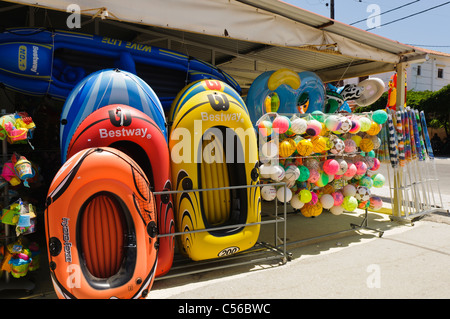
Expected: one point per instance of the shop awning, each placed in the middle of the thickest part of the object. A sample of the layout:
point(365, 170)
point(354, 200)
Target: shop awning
point(247, 37)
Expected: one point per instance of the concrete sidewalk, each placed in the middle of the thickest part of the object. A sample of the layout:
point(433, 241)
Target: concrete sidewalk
point(329, 260)
point(407, 262)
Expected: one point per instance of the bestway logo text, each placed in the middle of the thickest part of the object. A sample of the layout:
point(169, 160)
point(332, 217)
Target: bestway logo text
point(141, 132)
point(221, 117)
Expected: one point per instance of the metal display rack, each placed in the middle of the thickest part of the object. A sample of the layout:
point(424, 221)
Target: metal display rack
point(261, 252)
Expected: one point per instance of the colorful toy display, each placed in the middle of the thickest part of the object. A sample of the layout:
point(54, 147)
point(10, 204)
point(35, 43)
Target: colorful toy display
point(100, 222)
point(137, 135)
point(213, 145)
point(336, 167)
point(302, 92)
point(41, 61)
point(408, 137)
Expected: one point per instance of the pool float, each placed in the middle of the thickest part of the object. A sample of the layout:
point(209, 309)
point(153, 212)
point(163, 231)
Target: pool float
point(100, 225)
point(199, 86)
point(136, 134)
point(106, 87)
point(294, 92)
point(213, 145)
point(41, 61)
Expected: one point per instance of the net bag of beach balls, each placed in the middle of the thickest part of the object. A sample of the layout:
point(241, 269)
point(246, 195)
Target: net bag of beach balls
point(312, 185)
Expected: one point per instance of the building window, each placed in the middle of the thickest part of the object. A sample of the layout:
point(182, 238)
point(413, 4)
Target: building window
point(419, 70)
point(440, 73)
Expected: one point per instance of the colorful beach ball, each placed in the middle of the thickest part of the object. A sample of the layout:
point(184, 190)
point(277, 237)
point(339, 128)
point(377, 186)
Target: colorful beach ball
point(298, 125)
point(357, 139)
point(265, 170)
point(296, 203)
point(314, 176)
point(337, 210)
point(284, 194)
point(305, 147)
point(356, 126)
point(376, 141)
point(351, 170)
point(349, 190)
point(343, 166)
point(338, 198)
point(313, 128)
point(374, 129)
point(331, 166)
point(268, 192)
point(332, 123)
point(281, 124)
point(376, 164)
point(309, 210)
point(362, 193)
point(314, 198)
point(365, 123)
point(378, 180)
point(265, 128)
point(350, 146)
point(366, 145)
point(305, 196)
point(292, 173)
point(350, 203)
point(366, 181)
point(327, 201)
point(323, 179)
point(287, 147)
point(361, 167)
point(338, 146)
point(269, 149)
point(278, 173)
point(318, 115)
point(380, 116)
point(304, 173)
point(345, 125)
point(375, 203)
point(319, 144)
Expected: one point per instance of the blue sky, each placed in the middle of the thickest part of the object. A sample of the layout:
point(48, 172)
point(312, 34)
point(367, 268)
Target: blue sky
point(430, 29)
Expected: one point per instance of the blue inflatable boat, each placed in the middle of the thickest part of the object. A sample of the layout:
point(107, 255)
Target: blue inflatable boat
point(38, 61)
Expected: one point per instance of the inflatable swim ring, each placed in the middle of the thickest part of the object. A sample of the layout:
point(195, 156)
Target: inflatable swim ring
point(136, 134)
point(213, 145)
point(302, 92)
point(100, 224)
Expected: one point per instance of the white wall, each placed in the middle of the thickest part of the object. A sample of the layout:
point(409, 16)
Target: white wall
point(428, 80)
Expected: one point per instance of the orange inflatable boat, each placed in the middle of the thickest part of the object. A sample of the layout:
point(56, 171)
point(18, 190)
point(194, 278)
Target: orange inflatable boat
point(136, 134)
point(101, 227)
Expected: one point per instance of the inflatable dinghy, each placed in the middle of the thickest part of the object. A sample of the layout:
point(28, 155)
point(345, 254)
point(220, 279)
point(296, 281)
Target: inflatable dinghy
point(213, 145)
point(103, 88)
point(136, 134)
point(38, 61)
point(101, 231)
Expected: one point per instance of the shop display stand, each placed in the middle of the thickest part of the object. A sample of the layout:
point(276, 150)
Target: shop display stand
point(8, 283)
point(259, 253)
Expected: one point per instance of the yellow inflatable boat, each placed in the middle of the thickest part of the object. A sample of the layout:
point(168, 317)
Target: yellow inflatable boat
point(213, 145)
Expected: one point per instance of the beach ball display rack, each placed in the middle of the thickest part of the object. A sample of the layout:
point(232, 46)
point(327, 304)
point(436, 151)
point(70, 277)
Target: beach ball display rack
point(328, 161)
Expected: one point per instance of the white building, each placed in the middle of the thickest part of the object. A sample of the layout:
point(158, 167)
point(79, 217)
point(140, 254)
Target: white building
point(431, 75)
